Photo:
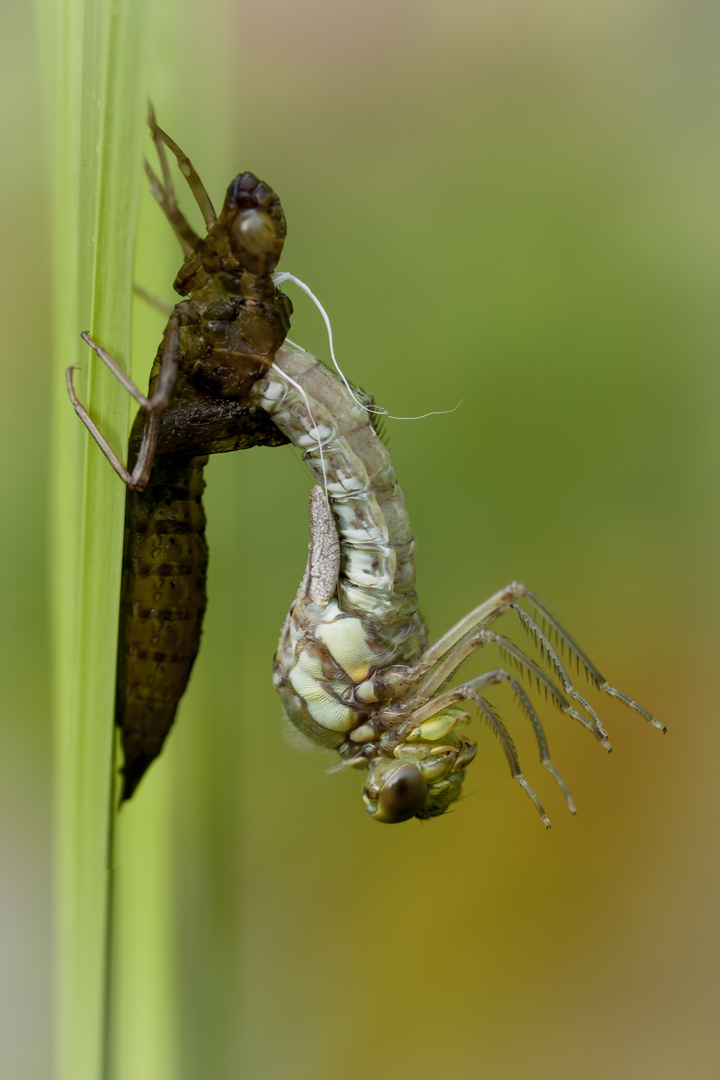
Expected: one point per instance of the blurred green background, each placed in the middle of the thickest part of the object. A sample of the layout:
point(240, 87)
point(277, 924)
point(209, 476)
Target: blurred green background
point(514, 205)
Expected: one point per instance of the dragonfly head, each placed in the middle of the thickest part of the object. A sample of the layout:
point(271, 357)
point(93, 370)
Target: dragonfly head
point(420, 780)
point(394, 792)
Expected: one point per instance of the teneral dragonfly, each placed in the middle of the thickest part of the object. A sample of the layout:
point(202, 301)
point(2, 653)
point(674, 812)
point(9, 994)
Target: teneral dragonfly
point(353, 667)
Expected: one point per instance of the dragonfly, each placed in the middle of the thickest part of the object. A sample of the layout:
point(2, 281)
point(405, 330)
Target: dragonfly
point(219, 339)
point(354, 667)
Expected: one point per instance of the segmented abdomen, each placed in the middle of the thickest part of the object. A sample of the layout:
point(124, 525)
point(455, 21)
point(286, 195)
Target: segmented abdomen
point(377, 549)
point(162, 604)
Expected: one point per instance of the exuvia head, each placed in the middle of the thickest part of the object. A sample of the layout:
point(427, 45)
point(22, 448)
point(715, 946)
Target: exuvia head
point(247, 237)
point(255, 224)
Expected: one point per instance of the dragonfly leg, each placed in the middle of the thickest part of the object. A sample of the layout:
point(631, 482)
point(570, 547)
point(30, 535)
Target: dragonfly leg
point(494, 678)
point(490, 609)
point(92, 427)
point(186, 168)
point(433, 680)
point(468, 692)
point(445, 655)
point(187, 236)
point(575, 653)
point(428, 682)
point(114, 367)
point(154, 301)
point(138, 478)
point(164, 193)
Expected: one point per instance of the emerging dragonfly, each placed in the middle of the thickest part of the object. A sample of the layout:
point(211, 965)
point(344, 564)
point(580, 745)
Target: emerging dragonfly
point(216, 343)
point(353, 667)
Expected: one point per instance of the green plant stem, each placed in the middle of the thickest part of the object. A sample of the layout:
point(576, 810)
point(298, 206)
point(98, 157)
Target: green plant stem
point(97, 119)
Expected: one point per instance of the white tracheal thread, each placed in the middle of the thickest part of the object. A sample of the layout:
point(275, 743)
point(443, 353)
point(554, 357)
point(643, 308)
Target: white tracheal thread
point(278, 279)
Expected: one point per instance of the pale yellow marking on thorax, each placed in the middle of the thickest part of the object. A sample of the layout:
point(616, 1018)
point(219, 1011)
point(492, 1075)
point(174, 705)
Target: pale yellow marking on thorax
point(307, 679)
point(346, 642)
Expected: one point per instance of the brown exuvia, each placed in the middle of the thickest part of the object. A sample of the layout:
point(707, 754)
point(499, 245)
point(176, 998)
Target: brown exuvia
point(217, 343)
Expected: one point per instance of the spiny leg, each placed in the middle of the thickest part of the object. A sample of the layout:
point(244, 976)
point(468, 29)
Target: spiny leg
point(550, 655)
point(97, 435)
point(187, 236)
point(575, 650)
point(500, 675)
point(166, 377)
point(495, 606)
point(484, 613)
point(164, 193)
point(431, 681)
point(524, 663)
point(138, 478)
point(187, 169)
point(503, 601)
point(493, 678)
point(508, 746)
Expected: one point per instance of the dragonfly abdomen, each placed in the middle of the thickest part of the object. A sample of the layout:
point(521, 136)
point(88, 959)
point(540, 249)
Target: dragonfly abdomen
point(162, 605)
point(314, 409)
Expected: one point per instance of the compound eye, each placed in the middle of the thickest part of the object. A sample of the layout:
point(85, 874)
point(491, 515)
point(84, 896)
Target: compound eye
point(401, 796)
point(254, 234)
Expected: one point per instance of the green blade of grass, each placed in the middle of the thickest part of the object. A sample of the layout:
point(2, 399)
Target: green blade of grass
point(96, 113)
point(144, 983)
point(144, 1043)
